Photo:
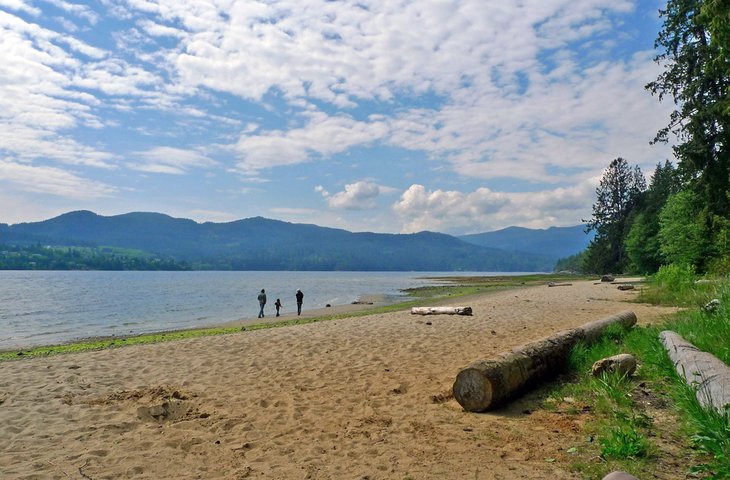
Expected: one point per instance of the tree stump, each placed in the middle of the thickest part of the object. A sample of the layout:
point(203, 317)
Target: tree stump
point(487, 384)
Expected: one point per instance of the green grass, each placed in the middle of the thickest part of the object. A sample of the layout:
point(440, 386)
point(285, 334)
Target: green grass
point(624, 430)
point(678, 285)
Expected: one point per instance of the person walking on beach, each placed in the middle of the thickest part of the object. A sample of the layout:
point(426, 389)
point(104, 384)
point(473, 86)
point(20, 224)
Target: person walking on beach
point(262, 302)
point(300, 300)
point(277, 304)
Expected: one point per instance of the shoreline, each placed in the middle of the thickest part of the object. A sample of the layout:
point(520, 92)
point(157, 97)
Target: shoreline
point(449, 288)
point(349, 398)
point(287, 319)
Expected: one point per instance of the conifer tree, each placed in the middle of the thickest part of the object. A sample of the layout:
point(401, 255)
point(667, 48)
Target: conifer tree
point(617, 195)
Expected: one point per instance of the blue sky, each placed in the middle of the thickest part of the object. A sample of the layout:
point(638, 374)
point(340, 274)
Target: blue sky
point(386, 116)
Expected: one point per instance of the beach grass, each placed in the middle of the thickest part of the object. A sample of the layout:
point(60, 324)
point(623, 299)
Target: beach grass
point(624, 428)
point(453, 287)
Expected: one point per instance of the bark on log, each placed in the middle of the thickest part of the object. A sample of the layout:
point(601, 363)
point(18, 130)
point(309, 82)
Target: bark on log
point(441, 311)
point(487, 384)
point(702, 370)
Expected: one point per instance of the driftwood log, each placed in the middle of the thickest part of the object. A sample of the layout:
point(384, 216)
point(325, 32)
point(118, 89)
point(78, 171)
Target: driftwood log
point(707, 373)
point(487, 384)
point(441, 311)
point(619, 475)
point(622, 364)
point(553, 284)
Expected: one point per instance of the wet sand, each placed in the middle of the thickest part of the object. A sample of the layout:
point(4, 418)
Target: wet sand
point(358, 398)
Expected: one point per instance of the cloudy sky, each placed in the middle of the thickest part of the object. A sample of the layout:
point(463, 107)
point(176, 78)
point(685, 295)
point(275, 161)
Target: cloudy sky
point(458, 116)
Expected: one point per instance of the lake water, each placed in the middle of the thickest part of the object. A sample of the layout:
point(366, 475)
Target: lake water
point(50, 307)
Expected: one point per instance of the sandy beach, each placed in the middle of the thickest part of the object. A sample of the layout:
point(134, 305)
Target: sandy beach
point(359, 398)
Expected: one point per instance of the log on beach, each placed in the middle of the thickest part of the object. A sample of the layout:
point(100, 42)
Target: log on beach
point(487, 384)
point(622, 364)
point(441, 311)
point(707, 373)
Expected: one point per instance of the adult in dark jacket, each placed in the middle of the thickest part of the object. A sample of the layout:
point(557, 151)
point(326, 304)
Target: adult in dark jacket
point(300, 300)
point(262, 302)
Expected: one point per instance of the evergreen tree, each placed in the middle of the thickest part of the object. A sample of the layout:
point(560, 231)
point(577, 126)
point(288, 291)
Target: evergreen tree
point(694, 49)
point(683, 236)
point(617, 196)
point(642, 242)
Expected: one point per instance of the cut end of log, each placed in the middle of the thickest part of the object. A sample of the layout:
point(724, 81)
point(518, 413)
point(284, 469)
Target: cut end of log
point(474, 392)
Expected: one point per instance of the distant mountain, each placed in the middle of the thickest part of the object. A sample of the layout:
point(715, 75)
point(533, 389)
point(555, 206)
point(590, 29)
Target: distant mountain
point(557, 242)
point(264, 244)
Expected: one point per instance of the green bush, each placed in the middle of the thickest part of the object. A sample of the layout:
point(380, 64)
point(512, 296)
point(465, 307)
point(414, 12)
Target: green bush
point(673, 284)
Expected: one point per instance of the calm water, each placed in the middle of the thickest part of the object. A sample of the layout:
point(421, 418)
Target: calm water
point(48, 307)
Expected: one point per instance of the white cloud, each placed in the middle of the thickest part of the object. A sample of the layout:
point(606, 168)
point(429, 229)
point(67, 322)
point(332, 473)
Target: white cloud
point(338, 52)
point(530, 91)
point(360, 195)
point(81, 11)
point(484, 210)
point(52, 181)
point(516, 99)
point(20, 6)
point(321, 190)
point(322, 136)
point(171, 160)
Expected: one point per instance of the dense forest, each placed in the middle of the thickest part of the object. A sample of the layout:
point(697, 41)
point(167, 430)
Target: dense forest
point(252, 244)
point(38, 257)
point(682, 217)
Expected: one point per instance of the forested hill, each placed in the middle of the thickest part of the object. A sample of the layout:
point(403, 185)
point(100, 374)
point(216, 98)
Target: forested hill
point(263, 244)
point(558, 242)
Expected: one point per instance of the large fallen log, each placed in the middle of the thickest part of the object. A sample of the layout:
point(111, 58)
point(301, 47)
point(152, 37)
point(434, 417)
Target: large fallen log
point(441, 311)
point(487, 384)
point(709, 375)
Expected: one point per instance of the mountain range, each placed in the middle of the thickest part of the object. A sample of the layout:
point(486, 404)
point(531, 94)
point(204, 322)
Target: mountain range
point(264, 244)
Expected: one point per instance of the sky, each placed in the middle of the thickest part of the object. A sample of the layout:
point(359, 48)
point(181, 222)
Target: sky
point(456, 116)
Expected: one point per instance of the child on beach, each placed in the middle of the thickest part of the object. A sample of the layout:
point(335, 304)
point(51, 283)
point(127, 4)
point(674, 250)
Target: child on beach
point(278, 306)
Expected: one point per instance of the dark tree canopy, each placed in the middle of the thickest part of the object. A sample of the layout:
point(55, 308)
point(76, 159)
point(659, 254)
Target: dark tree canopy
point(616, 197)
point(616, 194)
point(642, 241)
point(693, 49)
